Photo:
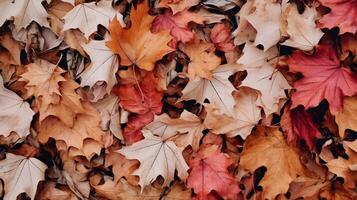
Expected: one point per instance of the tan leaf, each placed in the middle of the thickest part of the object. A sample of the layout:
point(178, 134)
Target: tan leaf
point(246, 115)
point(346, 118)
point(103, 67)
point(16, 114)
point(87, 16)
point(304, 34)
point(185, 131)
point(202, 59)
point(344, 168)
point(177, 6)
point(57, 9)
point(157, 156)
point(270, 83)
point(75, 38)
point(137, 45)
point(121, 166)
point(267, 147)
point(21, 174)
point(265, 18)
point(217, 90)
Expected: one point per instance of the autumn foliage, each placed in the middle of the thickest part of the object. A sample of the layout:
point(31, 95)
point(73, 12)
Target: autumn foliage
point(178, 99)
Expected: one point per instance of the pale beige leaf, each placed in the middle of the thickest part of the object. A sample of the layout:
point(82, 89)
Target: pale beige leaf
point(253, 57)
point(26, 11)
point(103, 67)
point(110, 114)
point(270, 83)
point(16, 114)
point(245, 32)
point(21, 174)
point(87, 16)
point(186, 130)
point(217, 90)
point(266, 20)
point(304, 34)
point(246, 115)
point(157, 156)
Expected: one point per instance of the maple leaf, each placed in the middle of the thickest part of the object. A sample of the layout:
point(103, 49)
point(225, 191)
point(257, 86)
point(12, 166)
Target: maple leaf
point(254, 58)
point(121, 166)
point(177, 24)
point(158, 156)
point(346, 118)
point(124, 190)
point(217, 90)
point(267, 147)
point(324, 78)
point(245, 32)
point(133, 100)
point(55, 93)
point(21, 174)
point(343, 15)
point(246, 115)
point(16, 114)
point(178, 5)
point(302, 30)
point(87, 16)
point(132, 132)
point(345, 167)
point(103, 67)
point(85, 126)
point(185, 131)
point(202, 59)
point(111, 115)
point(137, 45)
point(24, 12)
point(270, 83)
point(299, 125)
point(265, 18)
point(221, 37)
point(209, 172)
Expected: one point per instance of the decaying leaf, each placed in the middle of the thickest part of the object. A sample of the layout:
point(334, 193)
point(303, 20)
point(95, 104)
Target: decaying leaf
point(21, 174)
point(158, 155)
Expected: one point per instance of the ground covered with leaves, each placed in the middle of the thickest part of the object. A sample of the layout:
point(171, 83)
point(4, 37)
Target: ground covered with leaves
point(178, 99)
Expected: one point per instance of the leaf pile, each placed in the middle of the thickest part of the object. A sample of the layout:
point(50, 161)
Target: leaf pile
point(178, 99)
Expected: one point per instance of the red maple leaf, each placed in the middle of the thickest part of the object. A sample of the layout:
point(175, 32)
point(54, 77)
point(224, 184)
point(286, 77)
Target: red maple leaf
point(177, 24)
point(298, 124)
point(343, 15)
point(144, 101)
point(209, 172)
point(324, 78)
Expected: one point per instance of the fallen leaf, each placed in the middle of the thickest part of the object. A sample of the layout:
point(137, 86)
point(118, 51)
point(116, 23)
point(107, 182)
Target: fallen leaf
point(221, 37)
point(265, 18)
point(141, 100)
point(343, 14)
point(178, 5)
point(177, 24)
point(267, 147)
point(270, 83)
point(158, 155)
point(26, 11)
point(185, 131)
point(217, 90)
point(16, 114)
point(21, 174)
point(246, 115)
point(103, 67)
point(87, 16)
point(209, 172)
point(202, 59)
point(137, 45)
point(346, 118)
point(302, 30)
point(324, 78)
point(298, 124)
